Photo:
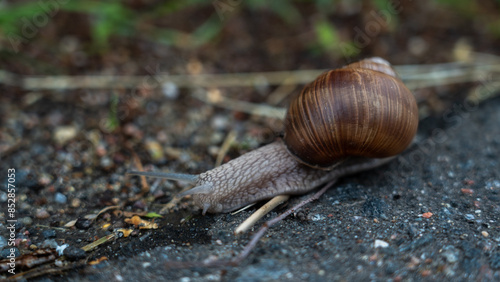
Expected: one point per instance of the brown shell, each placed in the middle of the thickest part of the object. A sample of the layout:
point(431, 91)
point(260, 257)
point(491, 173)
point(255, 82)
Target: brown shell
point(362, 109)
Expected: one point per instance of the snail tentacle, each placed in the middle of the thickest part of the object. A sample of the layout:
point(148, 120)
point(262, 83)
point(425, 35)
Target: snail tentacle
point(205, 188)
point(191, 178)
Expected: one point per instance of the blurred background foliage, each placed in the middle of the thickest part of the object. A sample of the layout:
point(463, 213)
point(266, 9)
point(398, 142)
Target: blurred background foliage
point(119, 18)
point(192, 24)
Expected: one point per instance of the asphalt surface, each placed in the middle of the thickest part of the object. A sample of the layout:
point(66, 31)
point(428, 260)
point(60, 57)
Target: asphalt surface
point(432, 214)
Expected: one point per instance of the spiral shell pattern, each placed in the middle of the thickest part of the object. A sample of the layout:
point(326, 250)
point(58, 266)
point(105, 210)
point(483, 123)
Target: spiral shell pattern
point(362, 109)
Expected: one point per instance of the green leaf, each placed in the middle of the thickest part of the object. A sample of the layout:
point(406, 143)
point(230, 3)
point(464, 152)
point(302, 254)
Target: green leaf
point(152, 215)
point(326, 34)
point(207, 31)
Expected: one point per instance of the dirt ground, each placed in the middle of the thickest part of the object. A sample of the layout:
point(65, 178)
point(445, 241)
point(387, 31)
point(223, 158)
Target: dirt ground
point(431, 214)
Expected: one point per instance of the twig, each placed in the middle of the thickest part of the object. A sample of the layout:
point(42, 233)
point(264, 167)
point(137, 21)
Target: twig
point(65, 82)
point(98, 242)
point(415, 76)
point(243, 209)
point(231, 136)
point(49, 269)
point(269, 206)
point(280, 93)
point(242, 106)
point(138, 165)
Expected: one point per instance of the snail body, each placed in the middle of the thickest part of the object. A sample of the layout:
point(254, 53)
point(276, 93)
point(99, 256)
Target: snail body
point(346, 121)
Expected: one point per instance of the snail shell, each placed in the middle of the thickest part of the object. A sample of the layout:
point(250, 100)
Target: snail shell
point(362, 110)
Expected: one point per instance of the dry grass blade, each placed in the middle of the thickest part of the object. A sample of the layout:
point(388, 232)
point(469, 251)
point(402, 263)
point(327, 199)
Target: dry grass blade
point(98, 242)
point(241, 106)
point(262, 211)
point(415, 76)
point(231, 136)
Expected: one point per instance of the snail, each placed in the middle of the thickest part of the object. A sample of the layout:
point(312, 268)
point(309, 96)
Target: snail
point(347, 120)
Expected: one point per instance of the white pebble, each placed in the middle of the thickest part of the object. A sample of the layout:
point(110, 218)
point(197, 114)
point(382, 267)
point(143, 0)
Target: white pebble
point(170, 90)
point(380, 244)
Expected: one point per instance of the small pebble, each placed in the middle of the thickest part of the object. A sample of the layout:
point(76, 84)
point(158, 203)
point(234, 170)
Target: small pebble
point(173, 153)
point(426, 273)
point(493, 184)
point(469, 216)
point(73, 253)
point(100, 150)
point(220, 122)
point(6, 252)
point(44, 179)
point(317, 217)
point(106, 162)
point(63, 134)
point(427, 215)
point(213, 150)
point(83, 223)
point(3, 242)
point(132, 130)
point(49, 243)
point(417, 45)
point(42, 213)
point(380, 244)
point(60, 198)
point(19, 225)
point(467, 191)
point(155, 150)
point(469, 182)
point(75, 203)
point(60, 249)
point(446, 211)
point(27, 220)
point(485, 234)
point(170, 90)
point(50, 233)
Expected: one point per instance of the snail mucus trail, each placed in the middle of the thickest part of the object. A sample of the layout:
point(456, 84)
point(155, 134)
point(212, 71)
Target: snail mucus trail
point(346, 121)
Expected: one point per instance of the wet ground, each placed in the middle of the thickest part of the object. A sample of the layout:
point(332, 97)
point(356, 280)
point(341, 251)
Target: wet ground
point(369, 227)
point(431, 214)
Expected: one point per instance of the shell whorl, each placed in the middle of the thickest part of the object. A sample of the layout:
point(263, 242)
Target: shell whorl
point(362, 110)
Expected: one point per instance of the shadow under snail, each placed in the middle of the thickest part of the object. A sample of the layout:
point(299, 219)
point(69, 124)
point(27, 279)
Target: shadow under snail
point(348, 120)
